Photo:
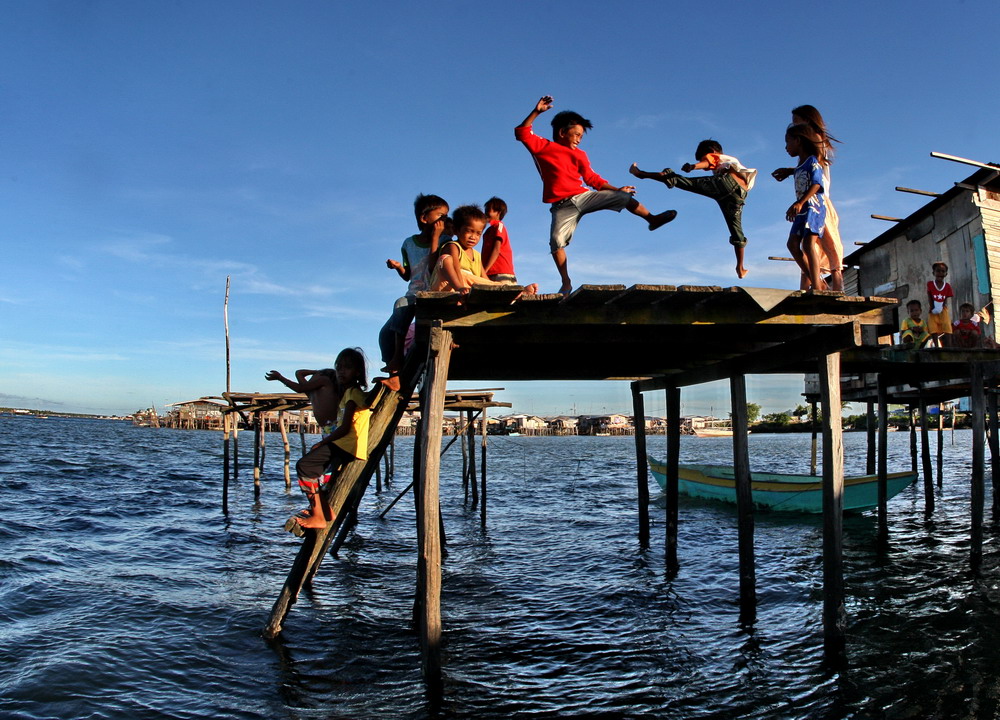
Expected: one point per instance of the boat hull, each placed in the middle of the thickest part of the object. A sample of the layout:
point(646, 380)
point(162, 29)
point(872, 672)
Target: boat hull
point(793, 493)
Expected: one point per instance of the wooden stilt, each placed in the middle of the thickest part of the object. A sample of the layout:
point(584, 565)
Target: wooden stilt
point(815, 431)
point(913, 439)
point(390, 474)
point(991, 405)
point(258, 444)
point(484, 428)
point(283, 427)
point(378, 478)
point(642, 474)
point(429, 557)
point(834, 614)
point(870, 427)
point(883, 461)
point(940, 445)
point(744, 499)
point(925, 456)
point(225, 463)
point(236, 446)
point(473, 475)
point(673, 408)
point(978, 489)
point(461, 434)
point(302, 430)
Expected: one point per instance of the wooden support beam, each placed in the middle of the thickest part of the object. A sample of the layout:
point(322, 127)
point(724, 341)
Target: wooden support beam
point(641, 464)
point(283, 427)
point(887, 218)
point(258, 448)
point(484, 427)
point(978, 489)
point(225, 463)
point(883, 461)
point(964, 161)
point(925, 456)
point(870, 427)
point(913, 438)
point(834, 614)
point(940, 446)
point(673, 409)
point(429, 519)
point(814, 452)
point(744, 499)
point(991, 404)
point(928, 193)
point(473, 480)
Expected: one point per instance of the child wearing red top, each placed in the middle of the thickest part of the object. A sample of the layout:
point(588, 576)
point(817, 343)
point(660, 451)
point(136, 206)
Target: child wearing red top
point(938, 292)
point(498, 258)
point(564, 167)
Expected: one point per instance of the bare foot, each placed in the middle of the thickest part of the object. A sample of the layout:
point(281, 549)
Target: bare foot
point(530, 289)
point(662, 219)
point(565, 290)
point(741, 272)
point(311, 522)
point(391, 382)
point(634, 170)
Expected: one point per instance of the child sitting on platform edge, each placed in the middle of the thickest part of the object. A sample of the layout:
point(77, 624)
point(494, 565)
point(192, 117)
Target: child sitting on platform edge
point(459, 265)
point(728, 185)
point(498, 257)
point(913, 331)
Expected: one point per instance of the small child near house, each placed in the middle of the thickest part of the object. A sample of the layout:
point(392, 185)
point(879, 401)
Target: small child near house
point(938, 292)
point(418, 252)
point(913, 331)
point(966, 332)
point(459, 265)
point(728, 185)
point(564, 168)
point(498, 258)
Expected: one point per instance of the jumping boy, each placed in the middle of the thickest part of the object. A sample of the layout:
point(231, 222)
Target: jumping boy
point(562, 166)
point(728, 185)
point(418, 252)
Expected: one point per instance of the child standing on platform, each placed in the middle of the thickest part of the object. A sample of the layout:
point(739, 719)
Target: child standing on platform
point(459, 265)
point(728, 185)
point(808, 213)
point(498, 258)
point(913, 331)
point(938, 292)
point(564, 167)
point(347, 441)
point(418, 254)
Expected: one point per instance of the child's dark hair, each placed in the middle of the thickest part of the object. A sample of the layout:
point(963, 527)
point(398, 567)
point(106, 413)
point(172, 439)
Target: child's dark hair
point(914, 303)
point(496, 205)
point(968, 306)
point(568, 118)
point(355, 357)
point(811, 141)
point(425, 203)
point(707, 146)
point(934, 266)
point(466, 214)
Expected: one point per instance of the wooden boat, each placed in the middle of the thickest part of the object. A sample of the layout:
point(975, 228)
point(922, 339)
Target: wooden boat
point(795, 493)
point(713, 432)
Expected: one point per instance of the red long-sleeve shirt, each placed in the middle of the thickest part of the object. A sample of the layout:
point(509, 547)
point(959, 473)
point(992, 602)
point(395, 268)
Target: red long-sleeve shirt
point(561, 168)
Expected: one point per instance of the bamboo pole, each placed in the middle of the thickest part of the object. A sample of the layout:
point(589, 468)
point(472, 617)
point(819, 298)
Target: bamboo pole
point(673, 410)
point(744, 499)
point(978, 489)
point(429, 519)
point(283, 427)
point(834, 614)
point(642, 474)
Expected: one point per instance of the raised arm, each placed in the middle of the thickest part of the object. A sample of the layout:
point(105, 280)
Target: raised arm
point(544, 103)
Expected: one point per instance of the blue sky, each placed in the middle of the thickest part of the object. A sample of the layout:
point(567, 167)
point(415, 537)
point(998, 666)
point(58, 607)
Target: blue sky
point(150, 149)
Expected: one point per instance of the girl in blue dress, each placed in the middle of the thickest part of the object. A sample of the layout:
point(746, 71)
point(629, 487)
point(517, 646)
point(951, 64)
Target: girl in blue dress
point(808, 213)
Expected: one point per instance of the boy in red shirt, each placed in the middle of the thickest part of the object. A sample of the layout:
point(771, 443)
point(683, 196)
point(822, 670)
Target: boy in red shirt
point(564, 167)
point(498, 258)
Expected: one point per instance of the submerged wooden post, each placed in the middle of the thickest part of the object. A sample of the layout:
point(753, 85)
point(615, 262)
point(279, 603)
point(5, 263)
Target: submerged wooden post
point(465, 457)
point(870, 427)
point(925, 456)
point(482, 473)
point(883, 460)
point(913, 439)
point(994, 437)
point(673, 408)
point(258, 446)
point(834, 614)
point(473, 479)
point(429, 520)
point(815, 430)
point(225, 463)
point(940, 445)
point(236, 446)
point(978, 489)
point(302, 429)
point(642, 475)
point(744, 499)
point(283, 427)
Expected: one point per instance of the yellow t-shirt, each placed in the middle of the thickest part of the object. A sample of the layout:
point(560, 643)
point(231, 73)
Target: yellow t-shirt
point(356, 440)
point(472, 265)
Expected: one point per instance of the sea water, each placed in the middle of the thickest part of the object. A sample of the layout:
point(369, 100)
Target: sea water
point(125, 592)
